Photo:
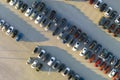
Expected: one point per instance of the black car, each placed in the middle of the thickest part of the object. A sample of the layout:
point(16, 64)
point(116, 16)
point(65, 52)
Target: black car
point(88, 55)
point(19, 4)
point(45, 57)
point(103, 7)
point(113, 14)
point(71, 74)
point(35, 4)
point(98, 48)
point(59, 25)
point(8, 1)
point(61, 67)
point(82, 37)
point(117, 65)
point(66, 38)
point(38, 68)
point(5, 26)
point(23, 7)
point(14, 33)
point(56, 64)
point(44, 22)
point(102, 21)
point(45, 11)
point(93, 45)
point(36, 49)
point(40, 7)
point(52, 15)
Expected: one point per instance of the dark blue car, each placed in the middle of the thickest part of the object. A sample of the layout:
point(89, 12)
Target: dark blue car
point(19, 36)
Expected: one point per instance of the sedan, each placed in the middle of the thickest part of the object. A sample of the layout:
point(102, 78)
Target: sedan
point(34, 15)
point(112, 28)
point(77, 33)
point(39, 18)
point(56, 64)
point(35, 4)
point(102, 66)
point(92, 58)
point(13, 2)
point(108, 11)
point(23, 7)
point(19, 36)
point(114, 61)
point(66, 71)
point(88, 55)
point(103, 7)
point(2, 22)
point(61, 67)
point(14, 33)
point(41, 53)
point(82, 37)
point(98, 62)
point(117, 32)
point(98, 3)
point(76, 46)
point(40, 7)
point(93, 45)
point(18, 4)
point(117, 20)
point(113, 14)
point(51, 61)
point(39, 67)
point(10, 30)
point(5, 26)
point(98, 48)
point(30, 60)
point(112, 73)
point(29, 12)
point(36, 49)
point(52, 15)
point(83, 51)
point(35, 64)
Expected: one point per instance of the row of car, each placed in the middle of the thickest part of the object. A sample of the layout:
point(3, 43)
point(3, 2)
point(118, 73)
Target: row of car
point(10, 30)
point(71, 35)
point(111, 21)
point(51, 62)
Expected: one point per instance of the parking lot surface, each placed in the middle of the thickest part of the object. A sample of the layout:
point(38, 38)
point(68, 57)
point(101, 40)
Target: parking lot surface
point(14, 55)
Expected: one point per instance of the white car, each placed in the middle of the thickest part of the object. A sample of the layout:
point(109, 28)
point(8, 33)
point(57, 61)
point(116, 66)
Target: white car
point(39, 18)
point(10, 30)
point(112, 73)
point(34, 64)
point(66, 71)
point(76, 46)
point(108, 11)
point(51, 61)
point(28, 12)
point(13, 2)
point(83, 51)
point(97, 4)
point(2, 22)
point(117, 20)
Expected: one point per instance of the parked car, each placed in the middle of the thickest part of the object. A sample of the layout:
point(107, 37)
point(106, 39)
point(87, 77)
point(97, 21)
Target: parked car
point(108, 11)
point(52, 15)
point(45, 11)
point(113, 14)
point(98, 48)
point(40, 7)
point(44, 22)
point(112, 28)
point(45, 57)
point(93, 45)
point(18, 4)
point(10, 30)
point(48, 26)
point(23, 7)
point(112, 73)
point(98, 62)
point(116, 76)
point(77, 33)
point(117, 20)
point(103, 54)
point(110, 57)
point(82, 37)
point(61, 67)
point(56, 64)
point(83, 51)
point(102, 66)
point(92, 58)
point(28, 12)
point(66, 71)
point(98, 3)
point(33, 15)
point(117, 65)
point(5, 26)
point(77, 77)
point(36, 49)
point(87, 40)
point(71, 42)
point(38, 68)
point(88, 55)
point(35, 4)
point(14, 33)
point(51, 61)
point(19, 36)
point(117, 32)
point(76, 46)
point(13, 2)
point(8, 1)
point(42, 52)
point(71, 75)
point(114, 61)
point(67, 38)
point(30, 60)
point(107, 24)
point(102, 21)
point(39, 18)
point(2, 22)
point(35, 64)
point(107, 69)
point(103, 7)
point(91, 1)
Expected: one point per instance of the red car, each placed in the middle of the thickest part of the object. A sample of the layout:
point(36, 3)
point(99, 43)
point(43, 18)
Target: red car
point(77, 33)
point(117, 31)
point(112, 28)
point(98, 62)
point(92, 58)
point(116, 76)
point(91, 2)
point(102, 66)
